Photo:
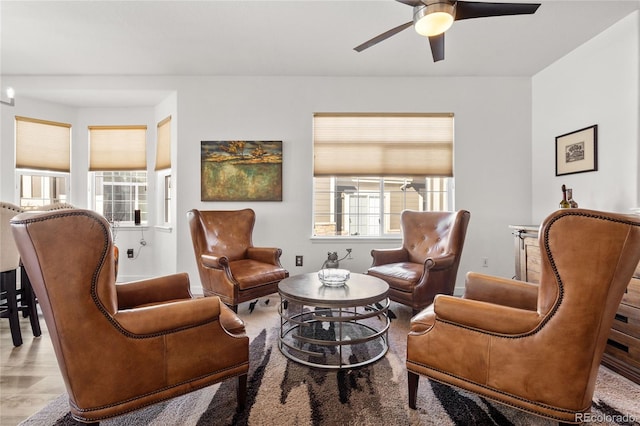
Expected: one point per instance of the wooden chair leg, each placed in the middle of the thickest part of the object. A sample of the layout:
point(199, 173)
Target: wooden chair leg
point(242, 392)
point(29, 298)
point(8, 282)
point(412, 380)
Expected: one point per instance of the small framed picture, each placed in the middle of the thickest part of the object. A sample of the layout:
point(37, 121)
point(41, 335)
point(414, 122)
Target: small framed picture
point(577, 152)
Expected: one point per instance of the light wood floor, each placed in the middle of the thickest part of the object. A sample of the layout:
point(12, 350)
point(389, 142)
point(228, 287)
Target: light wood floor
point(29, 374)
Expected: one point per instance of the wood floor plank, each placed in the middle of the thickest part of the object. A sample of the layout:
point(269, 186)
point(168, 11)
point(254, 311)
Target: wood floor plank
point(29, 374)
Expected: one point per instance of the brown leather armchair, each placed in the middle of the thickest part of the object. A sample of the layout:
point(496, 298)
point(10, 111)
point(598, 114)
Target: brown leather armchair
point(230, 266)
point(427, 263)
point(126, 346)
point(535, 348)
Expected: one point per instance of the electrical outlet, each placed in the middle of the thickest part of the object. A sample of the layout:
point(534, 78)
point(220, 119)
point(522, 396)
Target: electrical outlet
point(299, 260)
point(485, 262)
point(130, 253)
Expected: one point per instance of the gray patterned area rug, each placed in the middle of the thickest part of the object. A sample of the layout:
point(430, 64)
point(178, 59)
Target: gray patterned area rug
point(282, 392)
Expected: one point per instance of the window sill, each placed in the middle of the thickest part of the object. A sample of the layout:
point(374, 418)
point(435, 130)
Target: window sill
point(130, 227)
point(355, 239)
point(164, 228)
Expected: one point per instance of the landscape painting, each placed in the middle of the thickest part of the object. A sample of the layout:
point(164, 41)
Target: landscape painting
point(241, 170)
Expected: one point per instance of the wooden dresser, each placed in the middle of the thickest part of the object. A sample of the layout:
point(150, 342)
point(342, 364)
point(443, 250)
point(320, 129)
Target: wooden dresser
point(622, 353)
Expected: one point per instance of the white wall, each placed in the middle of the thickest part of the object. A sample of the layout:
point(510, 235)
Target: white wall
point(165, 259)
point(598, 83)
point(492, 144)
point(492, 147)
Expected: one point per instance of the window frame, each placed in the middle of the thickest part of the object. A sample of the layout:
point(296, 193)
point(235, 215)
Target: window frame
point(388, 218)
point(144, 212)
point(20, 173)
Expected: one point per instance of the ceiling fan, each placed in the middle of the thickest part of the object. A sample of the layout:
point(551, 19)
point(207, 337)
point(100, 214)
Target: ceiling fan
point(431, 18)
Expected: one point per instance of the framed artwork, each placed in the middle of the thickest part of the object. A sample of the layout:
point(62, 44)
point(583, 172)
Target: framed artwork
point(241, 170)
point(577, 152)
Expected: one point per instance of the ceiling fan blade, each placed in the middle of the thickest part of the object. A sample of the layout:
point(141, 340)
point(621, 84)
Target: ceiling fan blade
point(472, 9)
point(410, 2)
point(383, 36)
point(437, 47)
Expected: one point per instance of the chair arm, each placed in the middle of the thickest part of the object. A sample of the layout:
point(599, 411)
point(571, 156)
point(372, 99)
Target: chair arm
point(154, 290)
point(169, 317)
point(501, 291)
point(214, 262)
point(485, 317)
point(440, 262)
point(387, 256)
point(270, 255)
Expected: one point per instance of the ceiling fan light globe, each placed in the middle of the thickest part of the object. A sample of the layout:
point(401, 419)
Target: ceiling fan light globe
point(433, 19)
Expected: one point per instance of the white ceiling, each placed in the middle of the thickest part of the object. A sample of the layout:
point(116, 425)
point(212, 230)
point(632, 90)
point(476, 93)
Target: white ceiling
point(284, 38)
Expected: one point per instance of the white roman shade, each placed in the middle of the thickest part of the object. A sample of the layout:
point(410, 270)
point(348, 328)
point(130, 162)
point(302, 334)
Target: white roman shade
point(43, 145)
point(163, 149)
point(383, 144)
point(117, 148)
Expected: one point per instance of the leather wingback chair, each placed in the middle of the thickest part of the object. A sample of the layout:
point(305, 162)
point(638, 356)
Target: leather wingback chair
point(230, 266)
point(427, 263)
point(126, 346)
point(533, 347)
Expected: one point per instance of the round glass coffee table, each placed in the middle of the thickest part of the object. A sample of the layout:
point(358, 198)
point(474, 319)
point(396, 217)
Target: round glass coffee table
point(333, 327)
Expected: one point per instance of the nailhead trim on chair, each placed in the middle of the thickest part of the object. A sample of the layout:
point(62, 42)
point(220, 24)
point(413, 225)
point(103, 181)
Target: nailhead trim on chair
point(538, 404)
point(155, 392)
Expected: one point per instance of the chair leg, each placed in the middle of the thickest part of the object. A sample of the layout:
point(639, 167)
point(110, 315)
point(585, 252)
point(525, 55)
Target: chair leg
point(8, 282)
point(29, 297)
point(412, 380)
point(242, 392)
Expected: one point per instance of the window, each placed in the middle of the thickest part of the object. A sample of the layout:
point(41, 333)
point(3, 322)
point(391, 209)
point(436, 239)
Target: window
point(37, 189)
point(370, 167)
point(117, 161)
point(371, 206)
point(43, 156)
point(118, 194)
point(166, 199)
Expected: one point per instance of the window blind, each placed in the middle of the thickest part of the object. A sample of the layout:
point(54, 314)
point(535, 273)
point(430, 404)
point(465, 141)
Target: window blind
point(43, 145)
point(163, 149)
point(383, 144)
point(117, 148)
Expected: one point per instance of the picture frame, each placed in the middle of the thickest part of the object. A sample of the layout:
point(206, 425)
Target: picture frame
point(577, 151)
point(241, 170)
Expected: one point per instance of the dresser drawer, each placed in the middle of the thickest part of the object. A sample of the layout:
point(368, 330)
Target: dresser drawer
point(627, 320)
point(624, 348)
point(632, 294)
